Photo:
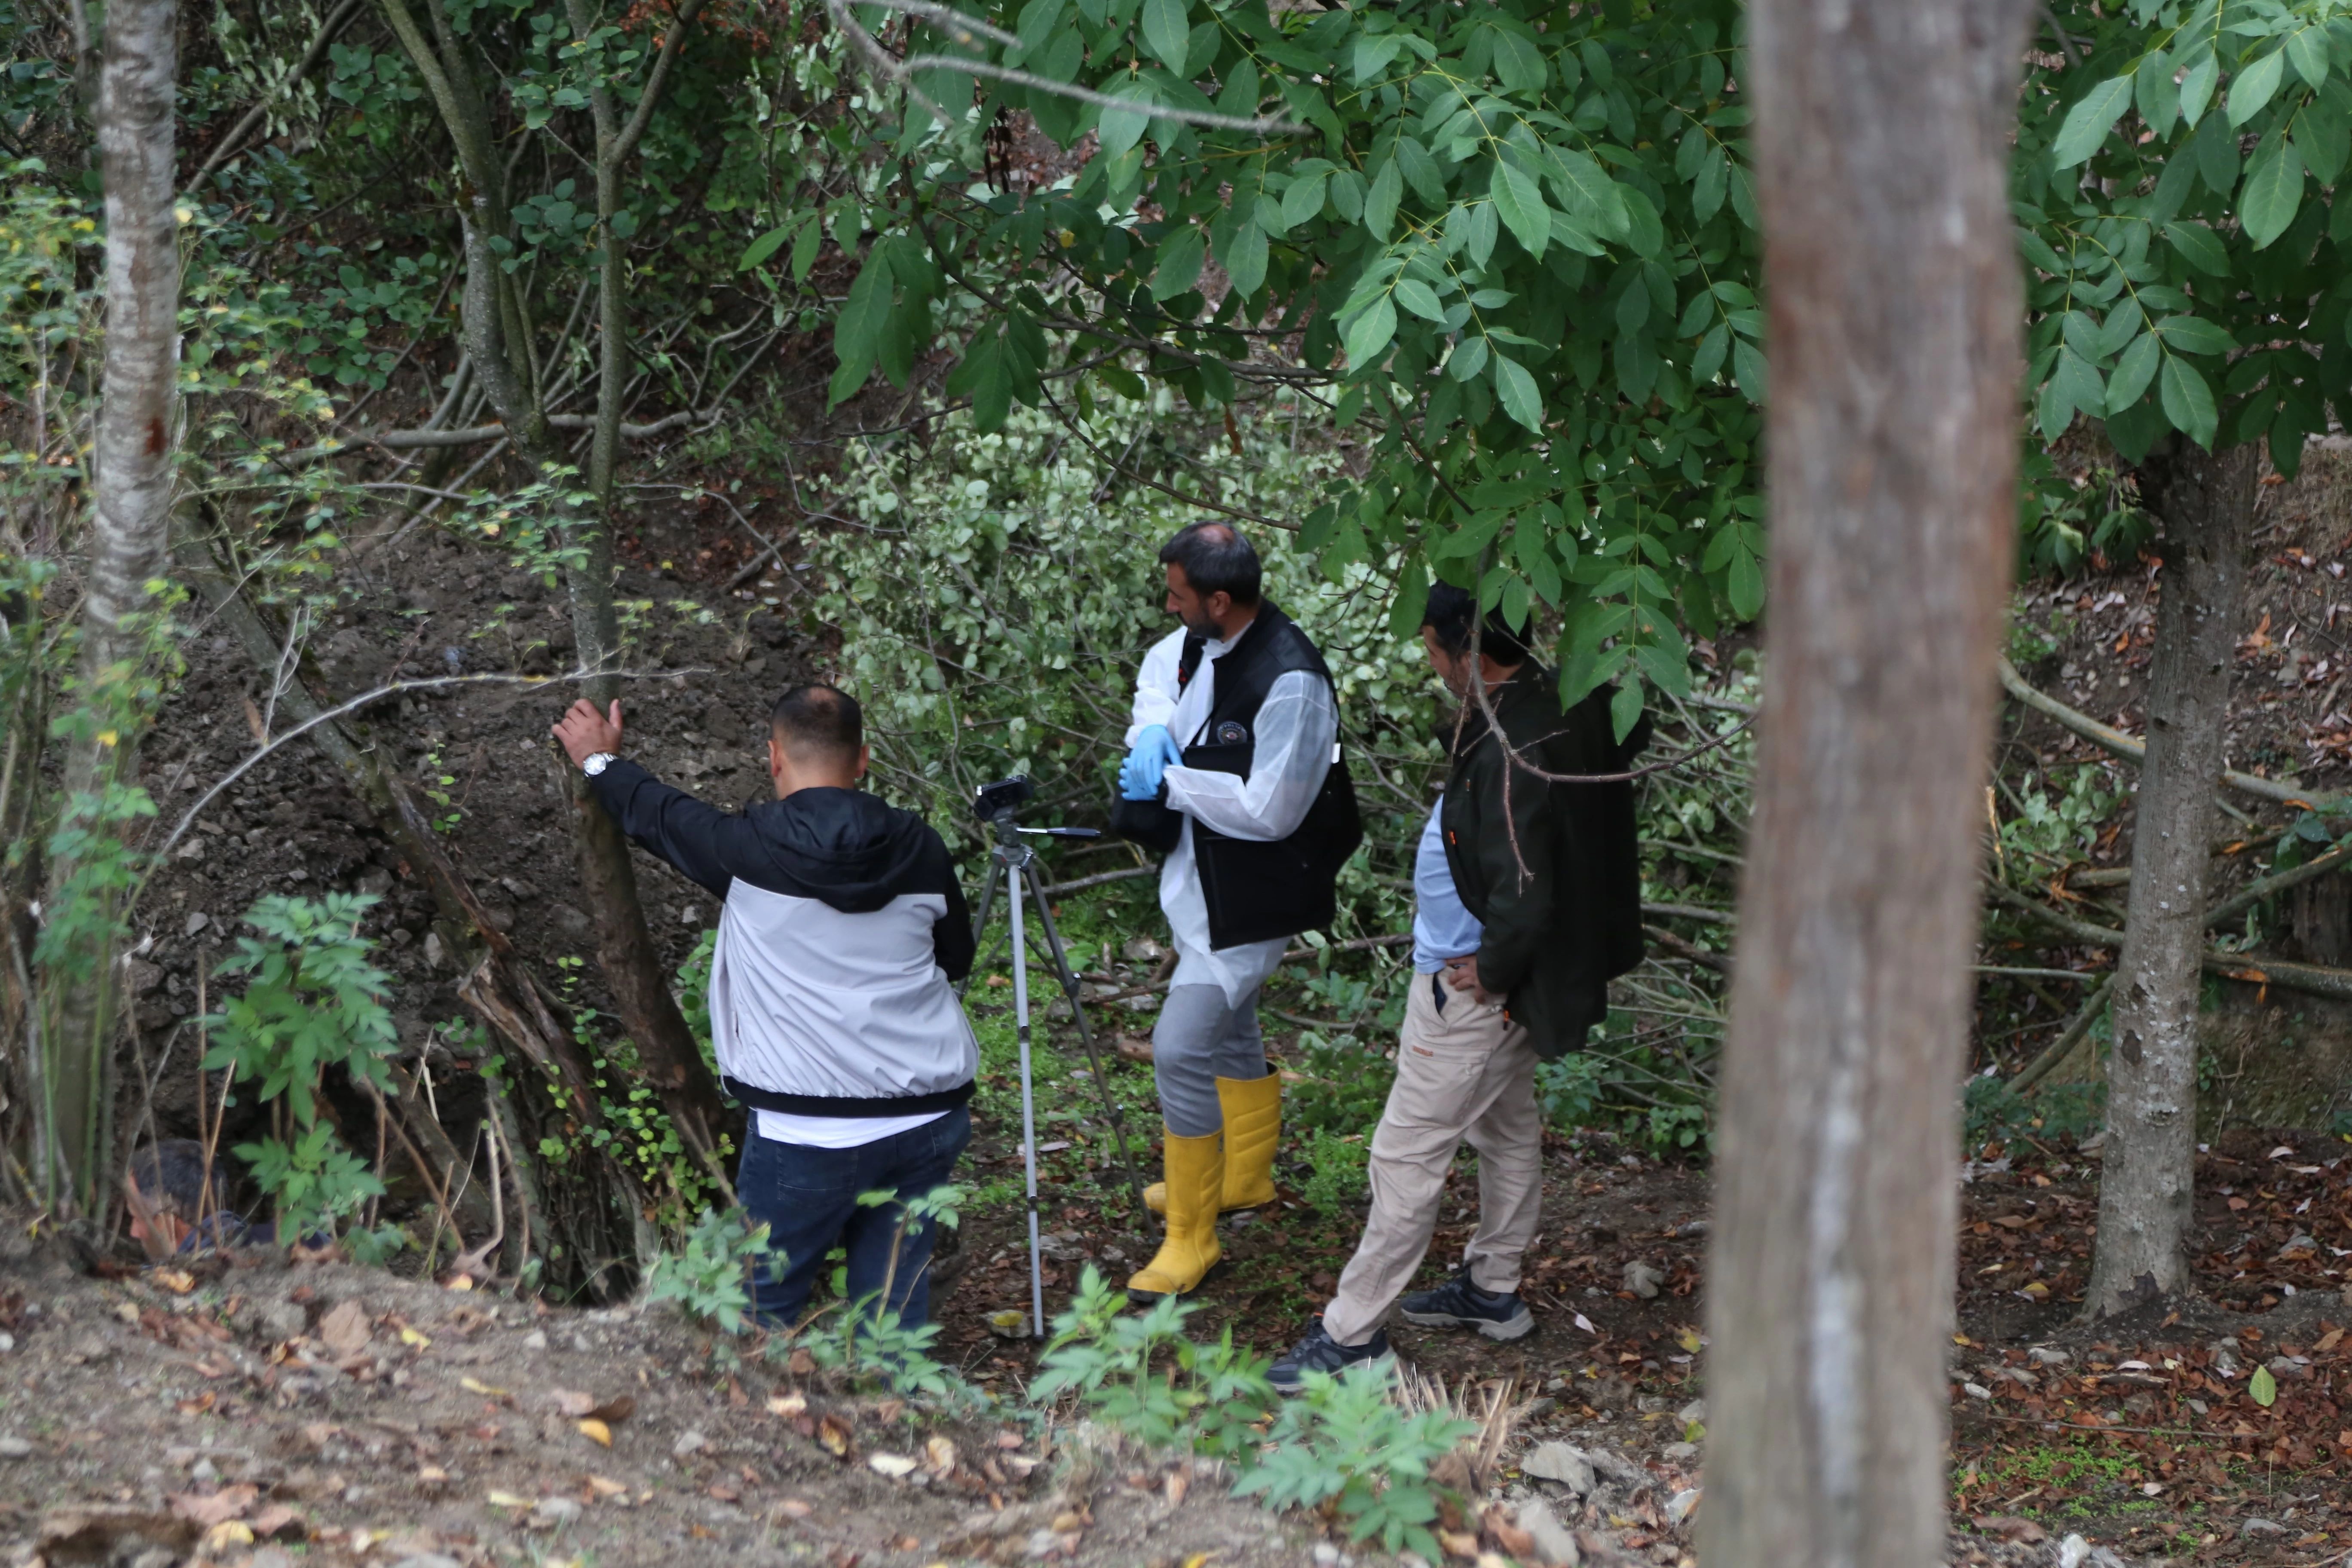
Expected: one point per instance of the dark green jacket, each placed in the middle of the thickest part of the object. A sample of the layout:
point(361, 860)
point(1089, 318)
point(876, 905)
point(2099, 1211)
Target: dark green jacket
point(1563, 909)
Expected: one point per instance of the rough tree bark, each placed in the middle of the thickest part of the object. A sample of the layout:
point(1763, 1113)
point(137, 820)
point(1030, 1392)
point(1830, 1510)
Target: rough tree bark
point(130, 530)
point(1894, 334)
point(494, 324)
point(2203, 503)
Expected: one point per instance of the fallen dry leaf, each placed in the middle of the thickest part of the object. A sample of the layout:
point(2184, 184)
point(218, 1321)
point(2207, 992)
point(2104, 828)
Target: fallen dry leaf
point(344, 1331)
point(940, 1457)
point(571, 1402)
point(432, 1475)
point(722, 1492)
point(1178, 1484)
point(178, 1281)
point(891, 1464)
point(616, 1410)
point(275, 1519)
point(793, 1508)
point(596, 1431)
point(508, 1500)
point(604, 1487)
point(1458, 1543)
point(801, 1363)
point(835, 1435)
point(2328, 1342)
point(475, 1386)
point(2025, 1531)
point(228, 1532)
point(787, 1404)
point(224, 1504)
point(409, 1336)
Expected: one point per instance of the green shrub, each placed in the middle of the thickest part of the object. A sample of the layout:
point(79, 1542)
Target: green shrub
point(710, 1277)
point(1338, 1169)
point(312, 1000)
point(1138, 1373)
point(1344, 1441)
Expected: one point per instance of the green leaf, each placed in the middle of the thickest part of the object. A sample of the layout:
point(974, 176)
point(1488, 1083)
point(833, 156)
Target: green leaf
point(2194, 335)
point(1713, 180)
point(2158, 94)
point(1245, 257)
point(1168, 31)
point(1711, 351)
point(1746, 582)
point(2088, 122)
point(1748, 369)
point(1519, 63)
point(2273, 192)
point(1625, 707)
point(2187, 400)
point(1518, 391)
point(2307, 50)
point(1588, 194)
point(1303, 200)
point(1518, 201)
point(805, 248)
point(1180, 265)
point(2073, 385)
point(2262, 1387)
point(2255, 86)
point(857, 331)
point(2196, 86)
point(1421, 170)
point(1120, 129)
point(1419, 298)
point(1381, 201)
point(1469, 359)
point(2324, 137)
point(1368, 334)
point(768, 244)
point(2133, 372)
point(2199, 246)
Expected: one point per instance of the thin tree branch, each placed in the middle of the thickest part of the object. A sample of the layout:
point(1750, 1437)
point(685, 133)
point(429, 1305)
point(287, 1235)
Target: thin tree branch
point(233, 143)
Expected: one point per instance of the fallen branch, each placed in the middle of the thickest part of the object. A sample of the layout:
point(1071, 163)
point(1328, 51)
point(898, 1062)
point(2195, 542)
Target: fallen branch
point(2317, 980)
point(2131, 749)
point(2037, 1069)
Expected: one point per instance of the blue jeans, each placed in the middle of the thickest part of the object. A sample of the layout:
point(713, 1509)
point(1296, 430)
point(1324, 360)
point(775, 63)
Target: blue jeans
point(809, 1199)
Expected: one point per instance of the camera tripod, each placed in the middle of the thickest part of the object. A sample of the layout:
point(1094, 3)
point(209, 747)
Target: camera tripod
point(1018, 862)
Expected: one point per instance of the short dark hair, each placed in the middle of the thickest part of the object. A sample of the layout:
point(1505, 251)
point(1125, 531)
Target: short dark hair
point(1216, 559)
point(815, 720)
point(1449, 614)
point(170, 1176)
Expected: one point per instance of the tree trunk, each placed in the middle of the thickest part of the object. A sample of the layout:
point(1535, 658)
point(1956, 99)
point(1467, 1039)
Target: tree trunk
point(1891, 282)
point(132, 471)
point(492, 318)
point(2203, 503)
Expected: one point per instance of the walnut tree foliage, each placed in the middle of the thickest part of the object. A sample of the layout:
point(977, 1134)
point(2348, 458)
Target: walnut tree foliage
point(1517, 242)
point(2191, 269)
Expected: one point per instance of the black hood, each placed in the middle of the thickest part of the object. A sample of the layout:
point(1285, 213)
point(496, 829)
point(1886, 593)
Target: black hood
point(843, 845)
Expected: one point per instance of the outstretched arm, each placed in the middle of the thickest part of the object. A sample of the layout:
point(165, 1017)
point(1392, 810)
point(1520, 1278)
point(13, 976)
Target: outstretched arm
point(693, 836)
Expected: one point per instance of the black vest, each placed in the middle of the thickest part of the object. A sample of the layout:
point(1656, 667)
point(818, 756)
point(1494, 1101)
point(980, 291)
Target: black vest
point(1256, 891)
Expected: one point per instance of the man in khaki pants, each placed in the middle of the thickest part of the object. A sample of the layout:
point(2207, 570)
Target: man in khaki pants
point(1528, 901)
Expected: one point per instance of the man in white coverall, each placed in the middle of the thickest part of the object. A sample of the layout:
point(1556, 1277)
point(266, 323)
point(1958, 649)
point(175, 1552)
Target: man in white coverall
point(1236, 729)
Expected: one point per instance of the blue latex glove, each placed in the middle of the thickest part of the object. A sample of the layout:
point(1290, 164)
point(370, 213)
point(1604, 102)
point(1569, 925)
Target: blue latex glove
point(1155, 753)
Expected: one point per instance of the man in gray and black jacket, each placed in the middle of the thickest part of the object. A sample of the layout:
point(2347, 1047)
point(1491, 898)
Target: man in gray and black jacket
point(832, 1003)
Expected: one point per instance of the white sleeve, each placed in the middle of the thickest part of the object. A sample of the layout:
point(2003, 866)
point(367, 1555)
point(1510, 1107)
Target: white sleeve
point(1297, 725)
point(1156, 687)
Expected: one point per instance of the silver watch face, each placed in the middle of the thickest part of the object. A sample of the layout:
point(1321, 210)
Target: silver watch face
point(596, 763)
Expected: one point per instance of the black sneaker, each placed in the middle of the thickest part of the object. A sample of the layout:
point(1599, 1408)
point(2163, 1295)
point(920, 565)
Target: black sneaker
point(1459, 1304)
point(1318, 1352)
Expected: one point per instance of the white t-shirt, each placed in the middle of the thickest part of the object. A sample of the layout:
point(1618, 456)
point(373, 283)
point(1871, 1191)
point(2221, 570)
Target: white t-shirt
point(837, 1131)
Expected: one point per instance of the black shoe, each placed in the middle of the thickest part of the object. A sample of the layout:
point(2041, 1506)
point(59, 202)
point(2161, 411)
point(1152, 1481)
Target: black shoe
point(1459, 1304)
point(1318, 1352)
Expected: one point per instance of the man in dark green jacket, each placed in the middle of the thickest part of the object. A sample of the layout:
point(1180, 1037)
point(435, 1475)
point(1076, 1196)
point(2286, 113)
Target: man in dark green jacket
point(1551, 869)
point(1524, 913)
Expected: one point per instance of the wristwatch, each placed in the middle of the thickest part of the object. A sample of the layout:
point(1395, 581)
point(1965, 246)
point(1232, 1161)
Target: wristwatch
point(595, 762)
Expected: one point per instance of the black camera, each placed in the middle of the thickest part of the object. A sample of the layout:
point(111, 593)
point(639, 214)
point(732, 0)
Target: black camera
point(1003, 797)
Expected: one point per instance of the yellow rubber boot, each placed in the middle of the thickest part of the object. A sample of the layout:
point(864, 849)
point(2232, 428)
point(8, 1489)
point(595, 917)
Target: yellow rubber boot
point(1252, 1107)
point(1196, 1178)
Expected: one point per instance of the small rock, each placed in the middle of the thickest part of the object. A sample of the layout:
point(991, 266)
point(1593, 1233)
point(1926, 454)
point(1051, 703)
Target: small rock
point(271, 1557)
point(1695, 1413)
point(2072, 1551)
point(15, 1448)
point(1143, 950)
point(1009, 1325)
point(1327, 1554)
point(580, 1343)
point(1565, 1463)
point(1043, 1543)
point(428, 1559)
point(2042, 1355)
point(534, 1341)
point(1642, 1280)
point(553, 1512)
point(7, 1344)
point(689, 1443)
point(2261, 1526)
point(205, 1470)
point(1554, 1542)
point(1679, 1507)
point(1678, 1452)
point(195, 922)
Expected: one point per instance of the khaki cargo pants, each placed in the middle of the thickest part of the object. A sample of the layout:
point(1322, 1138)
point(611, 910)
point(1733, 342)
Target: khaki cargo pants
point(1464, 1073)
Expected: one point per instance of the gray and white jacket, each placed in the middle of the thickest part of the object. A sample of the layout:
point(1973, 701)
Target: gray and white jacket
point(842, 931)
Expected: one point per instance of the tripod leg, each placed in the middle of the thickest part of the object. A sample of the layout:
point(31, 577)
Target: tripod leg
point(980, 920)
point(1094, 1057)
